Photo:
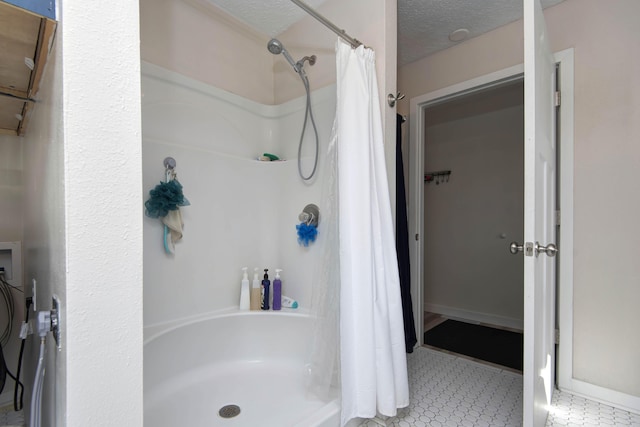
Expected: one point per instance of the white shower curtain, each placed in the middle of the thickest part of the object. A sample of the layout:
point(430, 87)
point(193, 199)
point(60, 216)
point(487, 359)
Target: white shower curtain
point(373, 363)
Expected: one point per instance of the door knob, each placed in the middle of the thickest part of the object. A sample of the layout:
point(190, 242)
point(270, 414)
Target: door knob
point(527, 248)
point(551, 249)
point(514, 248)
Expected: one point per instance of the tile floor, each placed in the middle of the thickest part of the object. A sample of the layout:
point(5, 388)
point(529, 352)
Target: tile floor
point(570, 410)
point(9, 418)
point(447, 390)
point(451, 391)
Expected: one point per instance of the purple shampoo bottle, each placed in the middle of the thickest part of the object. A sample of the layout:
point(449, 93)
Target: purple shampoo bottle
point(277, 291)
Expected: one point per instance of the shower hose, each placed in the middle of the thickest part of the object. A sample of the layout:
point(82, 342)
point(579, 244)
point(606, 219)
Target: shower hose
point(307, 113)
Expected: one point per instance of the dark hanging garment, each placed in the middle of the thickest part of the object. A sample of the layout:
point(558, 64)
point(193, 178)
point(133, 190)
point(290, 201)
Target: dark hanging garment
point(402, 244)
point(3, 370)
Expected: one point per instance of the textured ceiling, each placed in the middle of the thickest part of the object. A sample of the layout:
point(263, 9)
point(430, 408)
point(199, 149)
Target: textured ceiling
point(423, 25)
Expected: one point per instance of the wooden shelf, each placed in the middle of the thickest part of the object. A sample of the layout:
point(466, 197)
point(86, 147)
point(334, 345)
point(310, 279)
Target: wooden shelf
point(24, 37)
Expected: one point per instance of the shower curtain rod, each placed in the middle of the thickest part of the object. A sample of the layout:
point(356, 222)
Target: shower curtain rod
point(342, 33)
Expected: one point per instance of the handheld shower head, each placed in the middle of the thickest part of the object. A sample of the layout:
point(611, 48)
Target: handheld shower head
point(275, 46)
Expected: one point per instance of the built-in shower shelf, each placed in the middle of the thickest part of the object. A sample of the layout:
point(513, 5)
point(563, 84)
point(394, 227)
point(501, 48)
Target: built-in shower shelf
point(25, 41)
point(271, 162)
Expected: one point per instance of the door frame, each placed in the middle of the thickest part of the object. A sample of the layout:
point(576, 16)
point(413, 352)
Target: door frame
point(564, 289)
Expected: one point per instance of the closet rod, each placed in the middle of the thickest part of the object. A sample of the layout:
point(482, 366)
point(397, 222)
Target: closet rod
point(342, 33)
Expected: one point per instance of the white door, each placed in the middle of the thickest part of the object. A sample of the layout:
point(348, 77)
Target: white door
point(539, 215)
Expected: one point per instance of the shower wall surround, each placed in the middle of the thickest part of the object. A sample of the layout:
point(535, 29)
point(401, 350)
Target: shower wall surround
point(243, 212)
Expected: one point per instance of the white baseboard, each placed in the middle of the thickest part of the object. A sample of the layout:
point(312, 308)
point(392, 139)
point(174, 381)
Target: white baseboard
point(607, 396)
point(476, 316)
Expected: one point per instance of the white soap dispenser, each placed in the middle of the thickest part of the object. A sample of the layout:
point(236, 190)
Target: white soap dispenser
point(244, 291)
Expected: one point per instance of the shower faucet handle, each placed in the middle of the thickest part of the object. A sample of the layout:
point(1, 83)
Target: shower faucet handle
point(310, 215)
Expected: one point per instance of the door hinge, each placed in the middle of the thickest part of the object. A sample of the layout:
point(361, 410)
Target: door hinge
point(557, 98)
point(417, 237)
point(557, 336)
point(558, 217)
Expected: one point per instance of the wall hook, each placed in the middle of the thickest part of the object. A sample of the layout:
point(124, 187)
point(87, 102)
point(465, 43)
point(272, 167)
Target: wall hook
point(169, 163)
point(393, 99)
point(169, 169)
point(437, 177)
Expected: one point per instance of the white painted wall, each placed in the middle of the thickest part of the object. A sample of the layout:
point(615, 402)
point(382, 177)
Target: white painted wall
point(243, 212)
point(470, 220)
point(83, 218)
point(44, 232)
point(605, 171)
point(103, 213)
point(10, 188)
point(194, 38)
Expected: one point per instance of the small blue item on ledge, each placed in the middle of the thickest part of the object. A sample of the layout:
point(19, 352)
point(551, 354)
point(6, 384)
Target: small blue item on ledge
point(307, 233)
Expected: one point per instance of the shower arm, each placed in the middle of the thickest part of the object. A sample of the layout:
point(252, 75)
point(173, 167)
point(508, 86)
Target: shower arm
point(342, 33)
point(310, 59)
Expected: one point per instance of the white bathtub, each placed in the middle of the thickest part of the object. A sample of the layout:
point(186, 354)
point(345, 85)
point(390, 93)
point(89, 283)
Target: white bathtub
point(255, 360)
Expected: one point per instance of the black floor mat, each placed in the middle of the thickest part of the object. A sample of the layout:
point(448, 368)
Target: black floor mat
point(477, 341)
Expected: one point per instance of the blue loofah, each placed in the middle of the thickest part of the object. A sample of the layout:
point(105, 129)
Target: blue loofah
point(165, 197)
point(306, 233)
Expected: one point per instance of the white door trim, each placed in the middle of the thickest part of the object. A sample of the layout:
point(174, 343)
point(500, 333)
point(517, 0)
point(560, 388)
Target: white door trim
point(416, 191)
point(416, 172)
point(565, 243)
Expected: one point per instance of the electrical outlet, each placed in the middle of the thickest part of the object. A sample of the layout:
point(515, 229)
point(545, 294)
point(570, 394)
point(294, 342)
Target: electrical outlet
point(5, 263)
point(11, 260)
point(55, 320)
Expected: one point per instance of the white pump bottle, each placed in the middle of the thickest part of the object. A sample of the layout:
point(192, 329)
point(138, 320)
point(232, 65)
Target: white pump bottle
point(244, 291)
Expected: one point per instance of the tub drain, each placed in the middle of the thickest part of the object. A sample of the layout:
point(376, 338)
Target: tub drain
point(229, 411)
